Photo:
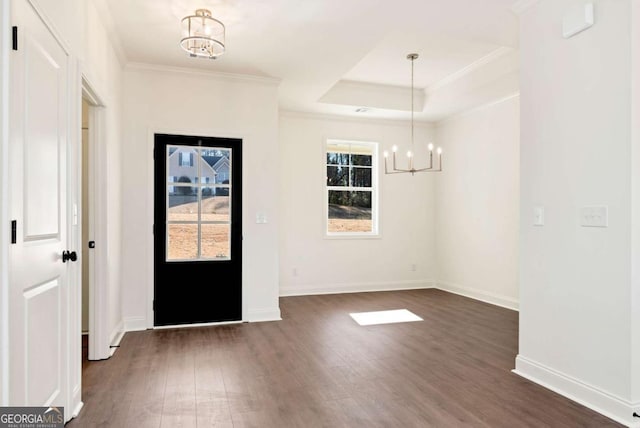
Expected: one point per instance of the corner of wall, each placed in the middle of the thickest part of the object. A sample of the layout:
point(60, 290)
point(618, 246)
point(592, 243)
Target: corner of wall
point(134, 323)
point(264, 315)
point(635, 206)
point(116, 335)
point(479, 294)
point(610, 405)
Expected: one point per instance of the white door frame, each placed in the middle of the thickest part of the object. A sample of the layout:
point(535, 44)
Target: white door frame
point(99, 348)
point(4, 203)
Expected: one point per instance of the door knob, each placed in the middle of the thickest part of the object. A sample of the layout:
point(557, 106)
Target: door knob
point(69, 255)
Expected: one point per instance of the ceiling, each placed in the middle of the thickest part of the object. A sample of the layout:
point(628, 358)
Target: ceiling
point(315, 47)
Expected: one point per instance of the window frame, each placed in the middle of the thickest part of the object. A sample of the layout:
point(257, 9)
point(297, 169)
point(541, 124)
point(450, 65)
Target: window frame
point(374, 189)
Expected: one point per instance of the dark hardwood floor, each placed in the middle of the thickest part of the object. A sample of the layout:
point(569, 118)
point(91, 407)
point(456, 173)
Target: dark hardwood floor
point(318, 368)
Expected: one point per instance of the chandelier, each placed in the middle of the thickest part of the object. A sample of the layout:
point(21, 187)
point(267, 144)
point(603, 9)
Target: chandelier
point(202, 35)
point(410, 154)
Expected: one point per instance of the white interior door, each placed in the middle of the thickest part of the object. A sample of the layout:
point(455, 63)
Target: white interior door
point(38, 278)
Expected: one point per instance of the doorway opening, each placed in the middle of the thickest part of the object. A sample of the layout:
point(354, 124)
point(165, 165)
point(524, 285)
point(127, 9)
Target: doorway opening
point(92, 239)
point(85, 233)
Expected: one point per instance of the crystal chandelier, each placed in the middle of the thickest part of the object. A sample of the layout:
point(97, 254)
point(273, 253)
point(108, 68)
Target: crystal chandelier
point(410, 154)
point(202, 35)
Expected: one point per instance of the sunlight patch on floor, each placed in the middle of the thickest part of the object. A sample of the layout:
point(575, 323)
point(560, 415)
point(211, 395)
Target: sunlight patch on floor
point(384, 317)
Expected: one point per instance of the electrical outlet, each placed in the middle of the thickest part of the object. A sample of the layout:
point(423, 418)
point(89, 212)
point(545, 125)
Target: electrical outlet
point(413, 267)
point(261, 218)
point(594, 216)
point(538, 216)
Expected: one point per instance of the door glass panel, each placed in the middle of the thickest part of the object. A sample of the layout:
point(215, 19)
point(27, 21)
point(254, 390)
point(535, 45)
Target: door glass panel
point(215, 204)
point(182, 241)
point(198, 203)
point(182, 164)
point(183, 203)
point(216, 166)
point(216, 239)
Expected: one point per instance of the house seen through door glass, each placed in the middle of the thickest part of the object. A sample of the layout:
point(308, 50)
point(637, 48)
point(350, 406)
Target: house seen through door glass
point(198, 203)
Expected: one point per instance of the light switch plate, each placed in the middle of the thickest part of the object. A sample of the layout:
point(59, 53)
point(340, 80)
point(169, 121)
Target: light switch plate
point(577, 20)
point(538, 216)
point(261, 218)
point(594, 216)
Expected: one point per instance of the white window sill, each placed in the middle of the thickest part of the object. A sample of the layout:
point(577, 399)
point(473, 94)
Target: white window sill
point(355, 236)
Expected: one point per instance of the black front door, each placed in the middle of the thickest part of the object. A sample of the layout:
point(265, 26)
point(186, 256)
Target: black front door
point(198, 229)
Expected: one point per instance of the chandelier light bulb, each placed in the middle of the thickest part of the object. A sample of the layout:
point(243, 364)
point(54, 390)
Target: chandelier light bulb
point(394, 148)
point(409, 154)
point(430, 147)
point(439, 150)
point(386, 154)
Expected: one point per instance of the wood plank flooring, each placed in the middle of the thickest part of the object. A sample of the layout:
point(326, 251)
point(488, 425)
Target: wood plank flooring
point(318, 368)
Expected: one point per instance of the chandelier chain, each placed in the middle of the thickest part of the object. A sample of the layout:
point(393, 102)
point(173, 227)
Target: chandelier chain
point(412, 61)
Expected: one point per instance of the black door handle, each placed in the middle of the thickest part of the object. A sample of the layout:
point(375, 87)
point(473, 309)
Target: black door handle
point(69, 255)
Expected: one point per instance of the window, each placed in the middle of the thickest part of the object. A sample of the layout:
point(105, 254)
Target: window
point(186, 158)
point(351, 188)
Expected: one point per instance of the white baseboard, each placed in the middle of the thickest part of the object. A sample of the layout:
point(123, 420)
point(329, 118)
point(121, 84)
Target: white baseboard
point(363, 287)
point(135, 323)
point(77, 410)
point(589, 396)
point(116, 336)
point(262, 315)
point(483, 296)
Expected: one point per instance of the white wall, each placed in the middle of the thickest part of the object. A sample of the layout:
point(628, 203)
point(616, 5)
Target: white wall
point(635, 170)
point(477, 200)
point(406, 212)
point(575, 282)
point(200, 103)
point(102, 67)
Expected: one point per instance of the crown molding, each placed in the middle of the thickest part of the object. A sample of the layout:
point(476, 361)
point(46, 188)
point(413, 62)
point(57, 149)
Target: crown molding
point(365, 120)
point(490, 57)
point(102, 7)
point(216, 75)
point(455, 116)
point(521, 6)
